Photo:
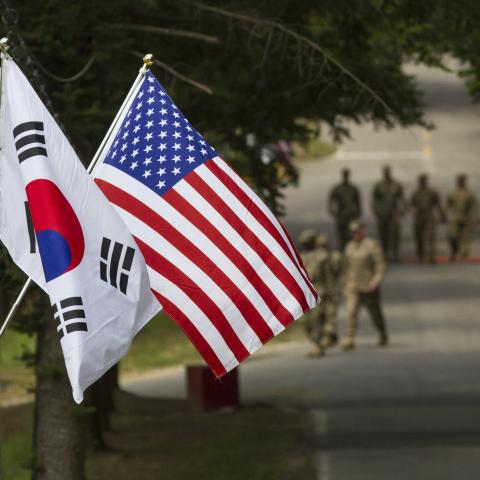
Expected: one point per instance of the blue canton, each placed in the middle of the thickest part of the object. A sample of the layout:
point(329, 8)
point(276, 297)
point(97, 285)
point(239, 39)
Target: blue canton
point(156, 144)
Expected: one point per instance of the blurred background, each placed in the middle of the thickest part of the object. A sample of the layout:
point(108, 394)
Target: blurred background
point(291, 93)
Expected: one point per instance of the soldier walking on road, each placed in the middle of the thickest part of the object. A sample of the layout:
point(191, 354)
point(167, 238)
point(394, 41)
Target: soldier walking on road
point(388, 205)
point(427, 211)
point(461, 216)
point(344, 205)
point(324, 268)
point(364, 270)
point(327, 278)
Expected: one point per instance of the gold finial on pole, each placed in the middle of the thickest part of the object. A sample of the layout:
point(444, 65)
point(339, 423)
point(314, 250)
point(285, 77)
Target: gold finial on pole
point(4, 45)
point(147, 60)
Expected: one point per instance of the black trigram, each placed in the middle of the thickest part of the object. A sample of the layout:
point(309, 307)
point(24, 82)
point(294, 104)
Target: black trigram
point(28, 140)
point(31, 230)
point(110, 270)
point(67, 314)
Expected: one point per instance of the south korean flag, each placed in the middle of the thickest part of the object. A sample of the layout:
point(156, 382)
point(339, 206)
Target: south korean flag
point(61, 230)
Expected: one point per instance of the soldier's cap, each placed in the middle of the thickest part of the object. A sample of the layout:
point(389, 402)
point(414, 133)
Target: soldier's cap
point(307, 236)
point(322, 240)
point(355, 226)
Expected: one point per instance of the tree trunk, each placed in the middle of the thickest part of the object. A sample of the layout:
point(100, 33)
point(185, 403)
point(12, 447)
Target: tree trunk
point(59, 441)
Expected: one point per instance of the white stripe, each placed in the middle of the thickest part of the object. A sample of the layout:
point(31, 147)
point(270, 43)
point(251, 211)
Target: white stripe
point(261, 205)
point(279, 289)
point(234, 317)
point(201, 322)
point(145, 195)
point(251, 222)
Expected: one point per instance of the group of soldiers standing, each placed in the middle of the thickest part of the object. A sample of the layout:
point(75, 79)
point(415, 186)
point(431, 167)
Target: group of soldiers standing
point(359, 264)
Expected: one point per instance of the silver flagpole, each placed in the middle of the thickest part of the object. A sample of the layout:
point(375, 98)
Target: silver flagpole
point(147, 62)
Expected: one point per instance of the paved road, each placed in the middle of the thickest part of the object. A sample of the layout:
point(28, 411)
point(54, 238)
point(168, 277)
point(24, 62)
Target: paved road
point(411, 410)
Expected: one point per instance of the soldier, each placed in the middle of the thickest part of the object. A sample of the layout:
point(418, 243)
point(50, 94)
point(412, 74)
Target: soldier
point(427, 211)
point(314, 319)
point(344, 205)
point(461, 216)
point(364, 270)
point(327, 281)
point(388, 205)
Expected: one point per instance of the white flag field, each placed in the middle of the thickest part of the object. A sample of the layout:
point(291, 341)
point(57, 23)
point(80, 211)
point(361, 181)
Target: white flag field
point(60, 229)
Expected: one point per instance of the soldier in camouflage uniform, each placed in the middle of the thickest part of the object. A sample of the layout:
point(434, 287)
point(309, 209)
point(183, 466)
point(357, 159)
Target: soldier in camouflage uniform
point(344, 204)
point(324, 268)
point(327, 277)
point(461, 212)
point(388, 205)
point(427, 212)
point(364, 270)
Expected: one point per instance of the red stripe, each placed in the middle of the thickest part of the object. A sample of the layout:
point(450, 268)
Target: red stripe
point(193, 253)
point(176, 276)
point(204, 225)
point(197, 295)
point(258, 214)
point(242, 229)
point(193, 334)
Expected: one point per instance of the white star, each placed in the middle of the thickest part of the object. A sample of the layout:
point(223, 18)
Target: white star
point(176, 171)
point(114, 154)
point(135, 140)
point(190, 138)
point(176, 114)
point(161, 93)
point(149, 112)
point(176, 158)
point(116, 143)
point(151, 89)
point(189, 128)
point(176, 124)
point(160, 184)
point(162, 147)
point(122, 158)
point(139, 105)
point(204, 152)
point(162, 159)
point(136, 129)
point(148, 161)
point(203, 142)
point(190, 159)
point(176, 146)
point(150, 79)
point(140, 95)
point(162, 134)
point(163, 123)
point(150, 100)
point(138, 116)
point(133, 165)
point(162, 101)
point(163, 111)
point(161, 171)
point(128, 121)
point(134, 153)
point(125, 135)
point(124, 146)
point(149, 124)
point(147, 149)
point(148, 136)
point(146, 174)
point(190, 148)
point(177, 135)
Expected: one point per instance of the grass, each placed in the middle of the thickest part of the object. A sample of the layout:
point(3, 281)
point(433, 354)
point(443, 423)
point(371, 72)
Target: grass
point(167, 440)
point(316, 149)
point(15, 442)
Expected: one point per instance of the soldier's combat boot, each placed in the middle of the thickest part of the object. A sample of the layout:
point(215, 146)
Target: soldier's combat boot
point(348, 344)
point(383, 340)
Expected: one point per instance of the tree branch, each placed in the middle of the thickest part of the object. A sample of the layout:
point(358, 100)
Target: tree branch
point(176, 74)
point(166, 31)
point(274, 25)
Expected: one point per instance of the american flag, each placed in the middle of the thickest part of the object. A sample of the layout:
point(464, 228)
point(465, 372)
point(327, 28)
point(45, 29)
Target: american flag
point(220, 263)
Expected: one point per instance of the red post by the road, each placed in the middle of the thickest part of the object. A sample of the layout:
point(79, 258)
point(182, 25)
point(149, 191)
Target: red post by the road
point(206, 392)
